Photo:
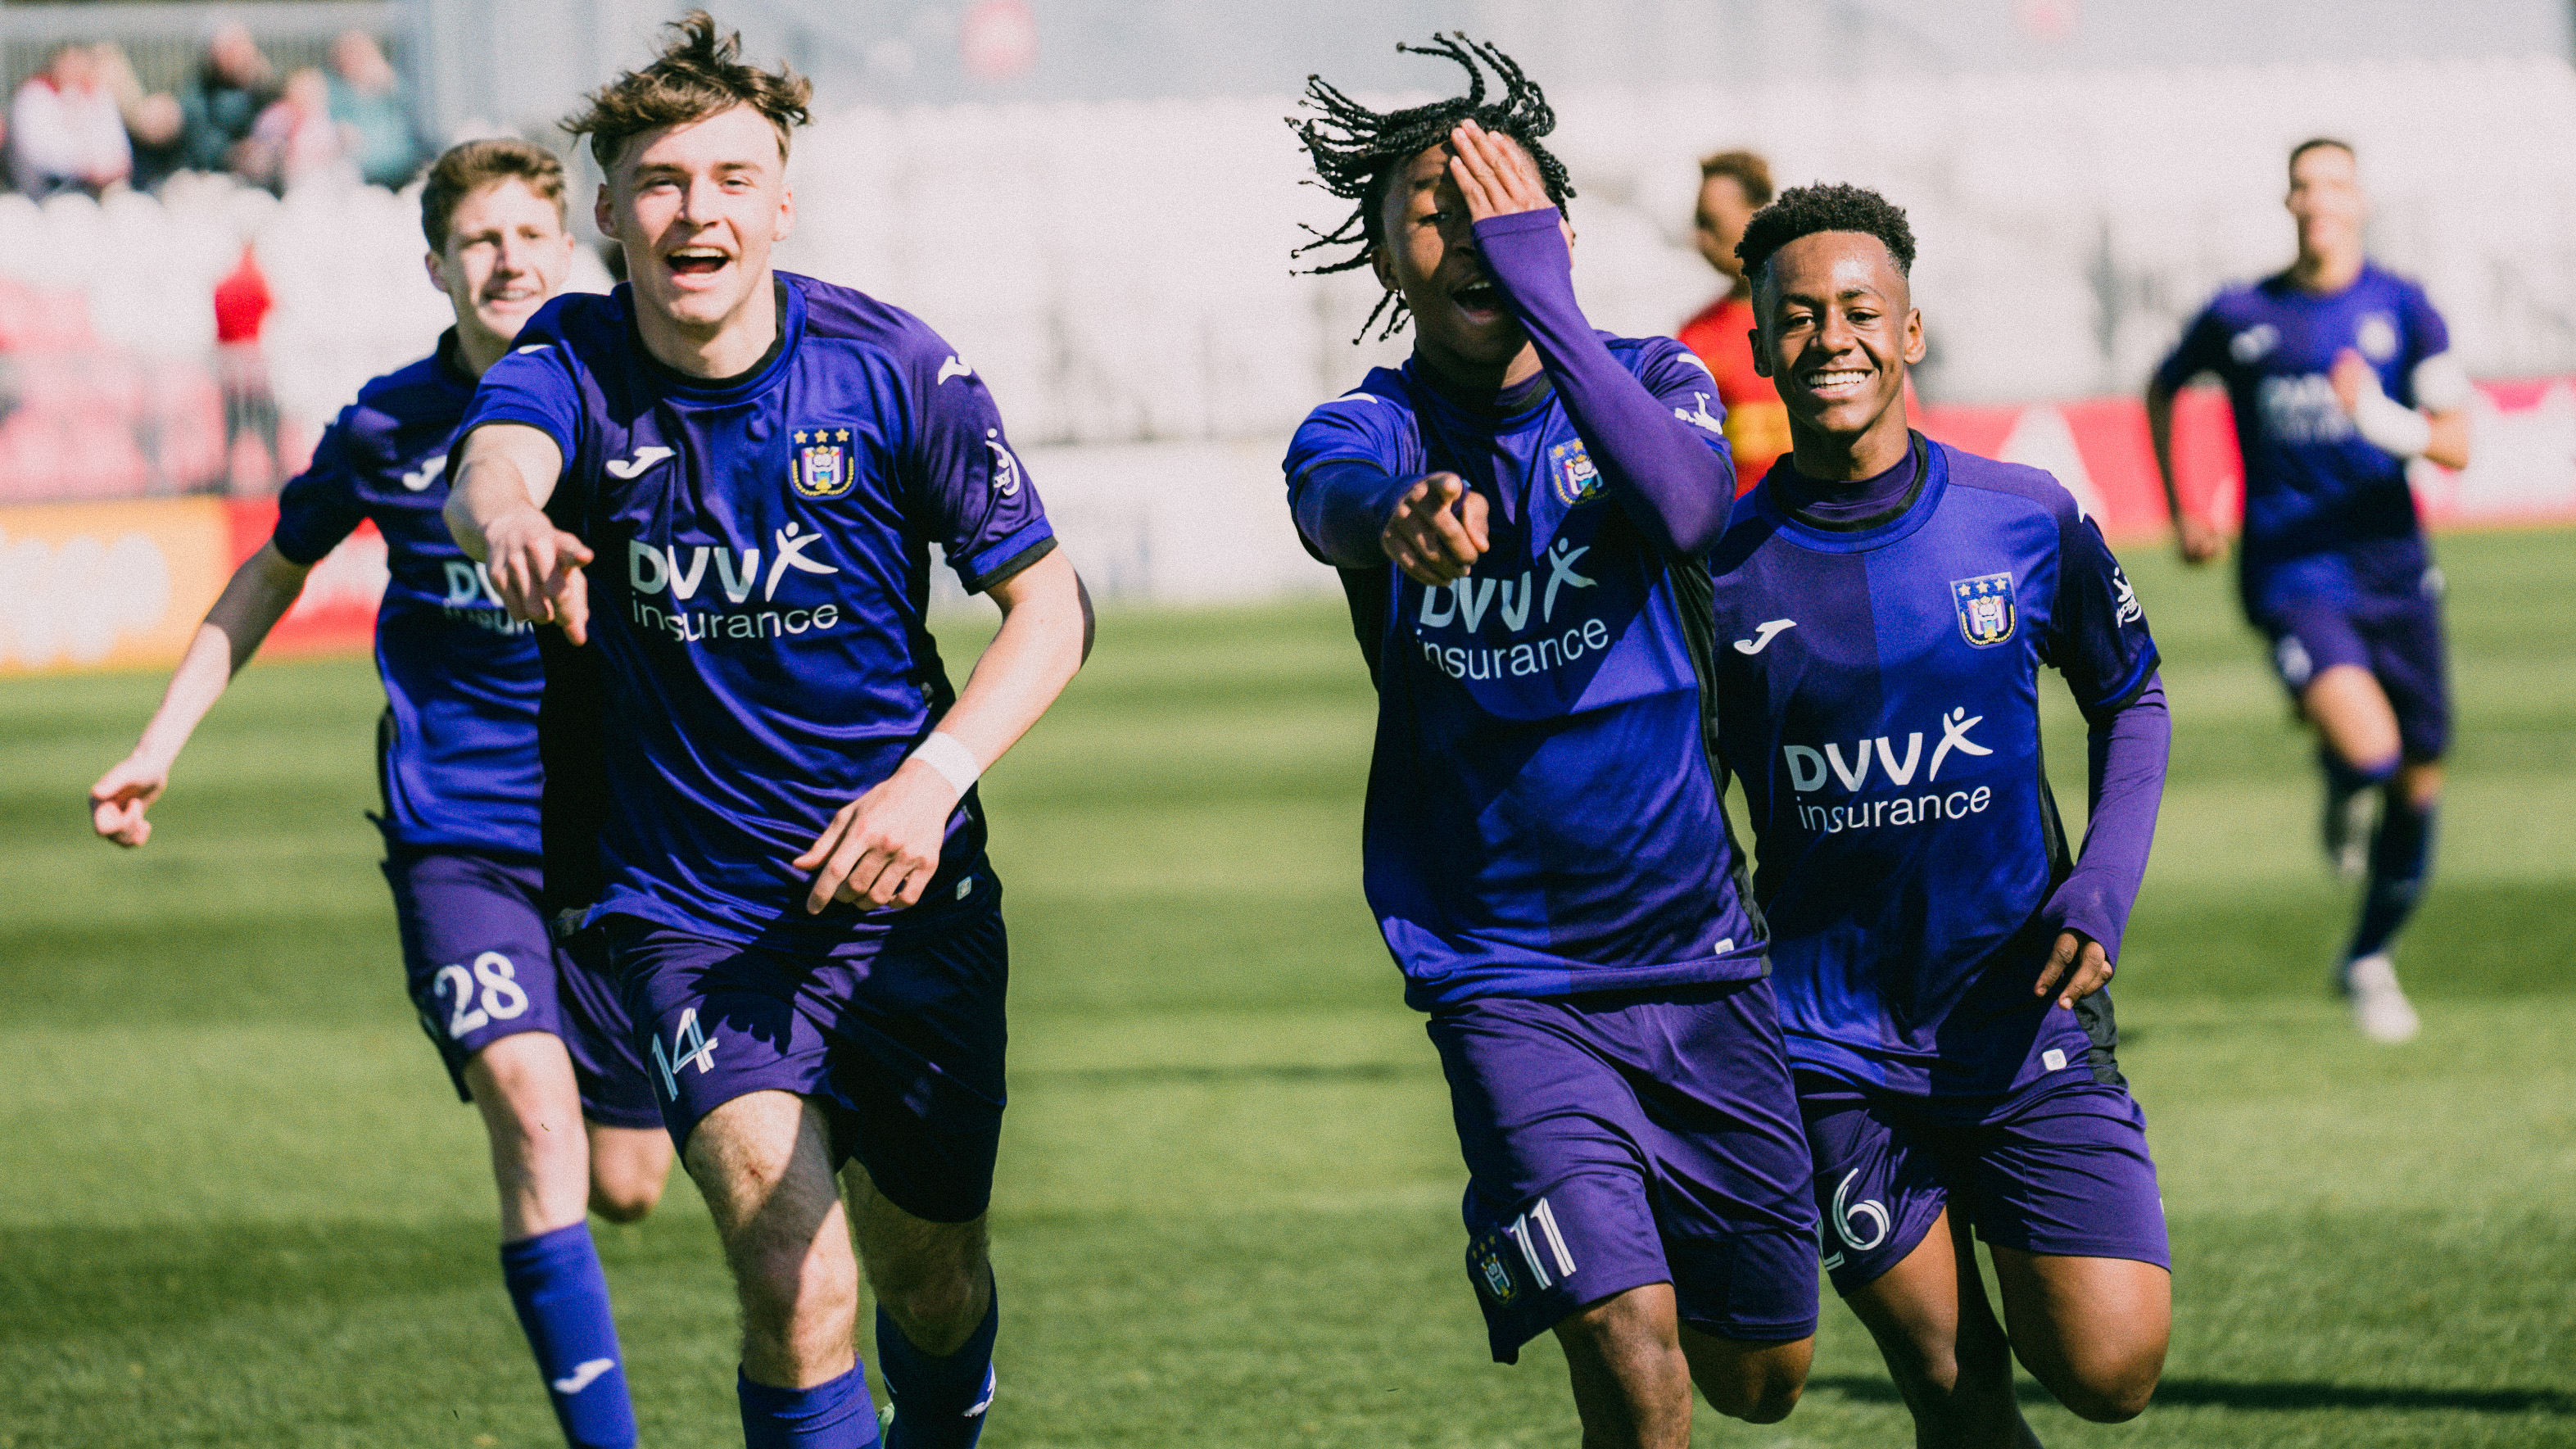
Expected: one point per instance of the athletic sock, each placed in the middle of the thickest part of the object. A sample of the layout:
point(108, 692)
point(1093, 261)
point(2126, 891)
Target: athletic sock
point(835, 1414)
point(2401, 856)
point(939, 1403)
point(562, 1298)
point(2345, 780)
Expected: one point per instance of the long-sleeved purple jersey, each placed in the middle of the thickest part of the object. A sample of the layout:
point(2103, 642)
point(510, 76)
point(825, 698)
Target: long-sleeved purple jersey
point(1878, 698)
point(1543, 813)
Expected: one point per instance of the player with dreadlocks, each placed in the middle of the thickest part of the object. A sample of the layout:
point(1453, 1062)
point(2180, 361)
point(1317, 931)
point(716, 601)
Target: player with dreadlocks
point(1519, 514)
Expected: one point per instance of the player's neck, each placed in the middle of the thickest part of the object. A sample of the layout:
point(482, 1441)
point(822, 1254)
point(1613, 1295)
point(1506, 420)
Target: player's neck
point(1464, 377)
point(2326, 273)
point(477, 347)
point(730, 346)
point(1850, 457)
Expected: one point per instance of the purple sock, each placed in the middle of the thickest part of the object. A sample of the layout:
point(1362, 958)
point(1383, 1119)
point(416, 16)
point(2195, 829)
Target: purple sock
point(939, 1403)
point(835, 1414)
point(562, 1298)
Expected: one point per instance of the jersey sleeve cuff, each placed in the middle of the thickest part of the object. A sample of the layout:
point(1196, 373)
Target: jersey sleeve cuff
point(505, 411)
point(1002, 561)
point(293, 550)
point(2140, 676)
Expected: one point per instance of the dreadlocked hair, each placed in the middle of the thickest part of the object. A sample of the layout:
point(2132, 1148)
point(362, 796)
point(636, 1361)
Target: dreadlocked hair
point(1357, 151)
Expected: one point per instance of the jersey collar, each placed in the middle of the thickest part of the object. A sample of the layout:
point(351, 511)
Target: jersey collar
point(1927, 497)
point(706, 391)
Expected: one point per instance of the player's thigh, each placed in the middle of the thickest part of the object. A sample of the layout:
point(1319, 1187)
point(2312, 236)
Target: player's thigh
point(1559, 1207)
point(524, 1085)
point(765, 1164)
point(477, 959)
point(2409, 658)
point(716, 1022)
point(916, 1057)
point(2093, 1330)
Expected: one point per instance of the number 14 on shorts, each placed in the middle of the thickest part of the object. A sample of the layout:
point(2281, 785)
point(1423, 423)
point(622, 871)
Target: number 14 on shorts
point(689, 1044)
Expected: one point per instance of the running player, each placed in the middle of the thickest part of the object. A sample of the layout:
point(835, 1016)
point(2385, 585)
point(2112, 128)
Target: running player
point(1518, 514)
point(1732, 186)
point(2340, 375)
point(533, 1034)
point(797, 897)
point(1886, 604)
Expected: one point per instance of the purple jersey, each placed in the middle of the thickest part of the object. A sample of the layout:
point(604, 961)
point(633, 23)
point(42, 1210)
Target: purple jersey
point(761, 585)
point(1543, 817)
point(2328, 515)
point(1878, 697)
point(462, 680)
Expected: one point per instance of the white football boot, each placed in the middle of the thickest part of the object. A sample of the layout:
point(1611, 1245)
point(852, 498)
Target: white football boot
point(2379, 1007)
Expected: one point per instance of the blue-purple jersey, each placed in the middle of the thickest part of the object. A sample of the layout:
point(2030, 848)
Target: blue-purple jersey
point(1878, 699)
point(761, 585)
point(1543, 815)
point(459, 746)
point(2328, 515)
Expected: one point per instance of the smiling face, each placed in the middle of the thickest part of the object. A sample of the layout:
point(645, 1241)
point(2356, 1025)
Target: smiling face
point(2327, 202)
point(1461, 324)
point(1837, 331)
point(506, 254)
point(698, 207)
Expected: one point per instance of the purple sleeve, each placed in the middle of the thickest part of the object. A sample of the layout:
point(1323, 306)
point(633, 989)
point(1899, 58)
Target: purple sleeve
point(320, 506)
point(1347, 466)
point(2096, 633)
point(532, 384)
point(2126, 750)
point(1676, 480)
point(977, 500)
point(2203, 348)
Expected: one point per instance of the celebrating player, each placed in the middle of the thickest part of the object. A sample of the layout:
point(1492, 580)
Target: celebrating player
point(534, 1034)
point(2340, 375)
point(1886, 604)
point(1518, 514)
point(1732, 186)
point(797, 894)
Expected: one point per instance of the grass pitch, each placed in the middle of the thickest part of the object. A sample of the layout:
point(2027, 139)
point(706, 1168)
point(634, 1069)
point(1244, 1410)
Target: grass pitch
point(237, 1205)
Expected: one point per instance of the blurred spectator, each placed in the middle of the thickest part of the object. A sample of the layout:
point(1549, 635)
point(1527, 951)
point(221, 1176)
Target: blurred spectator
point(242, 302)
point(296, 140)
point(367, 99)
point(153, 123)
point(1732, 186)
point(223, 101)
point(64, 130)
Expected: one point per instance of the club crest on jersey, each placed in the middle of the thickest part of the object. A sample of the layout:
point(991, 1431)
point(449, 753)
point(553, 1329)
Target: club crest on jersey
point(1571, 472)
point(819, 465)
point(1985, 606)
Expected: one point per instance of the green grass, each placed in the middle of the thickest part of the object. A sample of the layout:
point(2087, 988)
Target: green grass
point(237, 1204)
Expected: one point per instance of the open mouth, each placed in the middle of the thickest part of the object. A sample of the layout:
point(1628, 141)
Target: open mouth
point(1481, 297)
point(1836, 382)
point(697, 261)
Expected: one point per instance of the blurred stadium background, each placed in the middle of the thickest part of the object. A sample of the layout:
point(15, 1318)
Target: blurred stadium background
point(233, 1208)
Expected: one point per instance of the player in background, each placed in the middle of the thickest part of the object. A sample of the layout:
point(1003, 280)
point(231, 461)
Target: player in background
point(1732, 186)
point(532, 1033)
point(797, 896)
point(2340, 375)
point(1518, 515)
point(1886, 604)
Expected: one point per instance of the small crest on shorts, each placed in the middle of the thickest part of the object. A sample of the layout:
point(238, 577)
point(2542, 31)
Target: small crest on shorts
point(819, 463)
point(1985, 606)
point(1571, 474)
point(1491, 1271)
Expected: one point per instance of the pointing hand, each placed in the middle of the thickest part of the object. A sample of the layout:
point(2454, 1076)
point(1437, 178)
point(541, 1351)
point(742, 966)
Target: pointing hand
point(1437, 531)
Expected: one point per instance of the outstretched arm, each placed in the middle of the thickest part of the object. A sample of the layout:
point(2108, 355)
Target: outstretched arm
point(1676, 485)
point(884, 846)
point(1356, 515)
point(2126, 750)
point(261, 591)
point(496, 509)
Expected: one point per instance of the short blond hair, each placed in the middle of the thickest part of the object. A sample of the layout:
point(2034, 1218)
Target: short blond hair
point(472, 165)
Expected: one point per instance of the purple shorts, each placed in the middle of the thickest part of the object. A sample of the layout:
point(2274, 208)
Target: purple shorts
point(2055, 1169)
point(2397, 638)
point(482, 966)
point(1629, 1138)
point(900, 1036)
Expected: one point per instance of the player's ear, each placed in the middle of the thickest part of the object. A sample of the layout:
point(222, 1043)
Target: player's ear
point(786, 215)
point(1383, 266)
point(1914, 345)
point(436, 266)
point(603, 215)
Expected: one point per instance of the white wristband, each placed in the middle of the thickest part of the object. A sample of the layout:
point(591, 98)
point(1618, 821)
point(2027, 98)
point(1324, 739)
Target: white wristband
point(2390, 425)
point(949, 756)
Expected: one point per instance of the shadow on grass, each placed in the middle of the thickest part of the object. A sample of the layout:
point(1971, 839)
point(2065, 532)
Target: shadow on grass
point(2288, 1395)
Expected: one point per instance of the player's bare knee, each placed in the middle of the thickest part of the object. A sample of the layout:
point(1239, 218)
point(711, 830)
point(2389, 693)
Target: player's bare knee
point(624, 1202)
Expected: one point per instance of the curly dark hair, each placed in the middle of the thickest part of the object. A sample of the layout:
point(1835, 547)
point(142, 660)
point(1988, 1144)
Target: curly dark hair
point(1806, 210)
point(700, 73)
point(1357, 151)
